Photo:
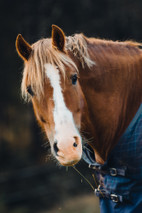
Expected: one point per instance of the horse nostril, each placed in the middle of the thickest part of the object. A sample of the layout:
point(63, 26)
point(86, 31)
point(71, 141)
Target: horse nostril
point(75, 144)
point(55, 148)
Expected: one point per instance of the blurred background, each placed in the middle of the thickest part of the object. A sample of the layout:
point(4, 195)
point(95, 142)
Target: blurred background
point(30, 181)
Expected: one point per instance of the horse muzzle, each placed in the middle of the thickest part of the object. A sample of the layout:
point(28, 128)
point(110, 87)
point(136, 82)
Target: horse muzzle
point(68, 151)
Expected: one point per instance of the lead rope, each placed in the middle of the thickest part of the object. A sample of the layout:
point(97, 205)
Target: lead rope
point(98, 186)
point(83, 177)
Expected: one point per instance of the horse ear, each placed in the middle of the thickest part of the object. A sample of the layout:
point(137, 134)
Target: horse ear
point(23, 48)
point(58, 38)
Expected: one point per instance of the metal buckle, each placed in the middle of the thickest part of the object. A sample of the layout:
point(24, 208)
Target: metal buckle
point(97, 190)
point(94, 167)
point(114, 198)
point(113, 171)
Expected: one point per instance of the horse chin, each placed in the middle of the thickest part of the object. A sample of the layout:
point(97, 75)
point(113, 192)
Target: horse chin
point(67, 163)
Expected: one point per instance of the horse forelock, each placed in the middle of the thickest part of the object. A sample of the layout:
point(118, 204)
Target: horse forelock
point(43, 53)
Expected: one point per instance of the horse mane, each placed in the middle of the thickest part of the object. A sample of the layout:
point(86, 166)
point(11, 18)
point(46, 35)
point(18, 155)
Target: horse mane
point(43, 52)
point(77, 44)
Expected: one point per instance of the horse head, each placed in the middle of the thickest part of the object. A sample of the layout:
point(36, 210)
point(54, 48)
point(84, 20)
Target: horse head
point(50, 81)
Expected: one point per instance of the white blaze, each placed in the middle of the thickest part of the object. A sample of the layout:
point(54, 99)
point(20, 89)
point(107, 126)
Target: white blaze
point(64, 123)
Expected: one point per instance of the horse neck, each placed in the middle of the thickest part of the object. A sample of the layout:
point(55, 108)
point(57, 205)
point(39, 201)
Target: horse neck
point(112, 90)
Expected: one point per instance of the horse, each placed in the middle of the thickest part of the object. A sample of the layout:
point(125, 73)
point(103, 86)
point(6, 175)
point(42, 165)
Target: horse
point(88, 89)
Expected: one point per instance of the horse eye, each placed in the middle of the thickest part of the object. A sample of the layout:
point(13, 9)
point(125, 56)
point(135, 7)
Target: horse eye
point(29, 90)
point(42, 119)
point(74, 79)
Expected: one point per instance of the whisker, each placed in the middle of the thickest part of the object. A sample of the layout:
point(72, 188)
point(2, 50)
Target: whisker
point(88, 149)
